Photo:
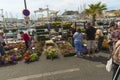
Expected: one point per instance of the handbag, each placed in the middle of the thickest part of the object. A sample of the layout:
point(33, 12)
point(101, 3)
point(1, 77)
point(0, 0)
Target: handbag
point(3, 43)
point(109, 65)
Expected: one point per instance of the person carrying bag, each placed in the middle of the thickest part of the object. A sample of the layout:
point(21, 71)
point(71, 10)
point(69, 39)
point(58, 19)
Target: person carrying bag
point(116, 61)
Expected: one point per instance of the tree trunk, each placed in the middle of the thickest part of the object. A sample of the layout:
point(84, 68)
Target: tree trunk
point(93, 19)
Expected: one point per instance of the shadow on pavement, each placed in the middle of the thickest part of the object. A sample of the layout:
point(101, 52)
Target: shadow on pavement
point(101, 59)
point(8, 64)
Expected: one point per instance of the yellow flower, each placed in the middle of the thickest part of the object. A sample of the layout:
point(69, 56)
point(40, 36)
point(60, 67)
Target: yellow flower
point(50, 47)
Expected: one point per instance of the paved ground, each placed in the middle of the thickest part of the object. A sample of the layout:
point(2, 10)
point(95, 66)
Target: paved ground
point(69, 68)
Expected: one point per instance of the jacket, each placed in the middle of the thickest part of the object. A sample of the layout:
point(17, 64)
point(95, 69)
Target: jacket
point(116, 53)
point(78, 36)
point(25, 37)
point(90, 32)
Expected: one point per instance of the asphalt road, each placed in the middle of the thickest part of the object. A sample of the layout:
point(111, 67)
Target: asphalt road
point(68, 68)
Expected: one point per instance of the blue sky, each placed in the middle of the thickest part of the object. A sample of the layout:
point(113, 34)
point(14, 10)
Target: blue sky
point(14, 8)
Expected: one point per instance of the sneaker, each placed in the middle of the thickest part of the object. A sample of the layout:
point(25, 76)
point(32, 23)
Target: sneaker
point(88, 55)
point(76, 55)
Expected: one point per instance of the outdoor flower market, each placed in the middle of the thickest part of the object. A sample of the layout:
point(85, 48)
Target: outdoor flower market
point(52, 44)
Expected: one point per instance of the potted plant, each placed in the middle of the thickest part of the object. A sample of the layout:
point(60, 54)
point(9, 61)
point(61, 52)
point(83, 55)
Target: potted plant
point(34, 57)
point(51, 53)
point(38, 48)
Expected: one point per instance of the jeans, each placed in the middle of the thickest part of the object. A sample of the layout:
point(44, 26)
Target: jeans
point(2, 51)
point(115, 67)
point(78, 47)
point(27, 44)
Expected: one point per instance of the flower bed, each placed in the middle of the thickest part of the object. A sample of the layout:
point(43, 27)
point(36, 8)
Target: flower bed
point(7, 59)
point(16, 51)
point(51, 51)
point(66, 48)
point(10, 46)
point(30, 57)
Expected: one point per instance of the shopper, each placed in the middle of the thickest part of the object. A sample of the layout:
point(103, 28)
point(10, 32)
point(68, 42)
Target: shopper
point(115, 34)
point(2, 44)
point(116, 61)
point(90, 35)
point(78, 39)
point(99, 34)
point(110, 42)
point(27, 39)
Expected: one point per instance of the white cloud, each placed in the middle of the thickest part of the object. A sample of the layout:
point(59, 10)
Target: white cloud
point(15, 7)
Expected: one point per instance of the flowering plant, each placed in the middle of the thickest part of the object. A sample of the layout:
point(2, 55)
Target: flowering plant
point(66, 49)
point(105, 45)
point(51, 52)
point(7, 59)
point(26, 56)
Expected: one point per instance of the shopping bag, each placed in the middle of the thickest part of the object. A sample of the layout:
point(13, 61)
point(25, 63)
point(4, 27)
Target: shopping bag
point(109, 65)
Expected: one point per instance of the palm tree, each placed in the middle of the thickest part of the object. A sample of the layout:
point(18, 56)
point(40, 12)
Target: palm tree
point(94, 10)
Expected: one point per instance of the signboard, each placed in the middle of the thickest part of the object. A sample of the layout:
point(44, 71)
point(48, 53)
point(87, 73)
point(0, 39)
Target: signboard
point(26, 12)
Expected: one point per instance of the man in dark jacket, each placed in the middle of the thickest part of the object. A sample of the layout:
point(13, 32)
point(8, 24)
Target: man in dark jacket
point(90, 34)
